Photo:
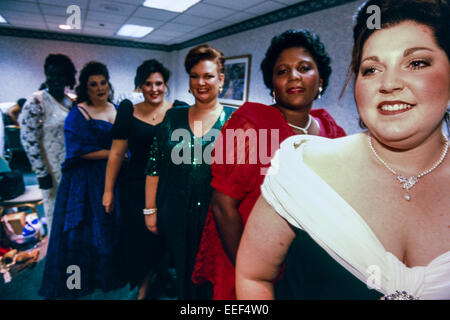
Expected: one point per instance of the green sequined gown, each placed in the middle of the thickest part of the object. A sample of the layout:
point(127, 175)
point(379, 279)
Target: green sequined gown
point(184, 192)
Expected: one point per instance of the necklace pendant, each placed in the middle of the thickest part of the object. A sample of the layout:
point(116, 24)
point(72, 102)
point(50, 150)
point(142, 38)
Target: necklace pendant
point(407, 183)
point(407, 196)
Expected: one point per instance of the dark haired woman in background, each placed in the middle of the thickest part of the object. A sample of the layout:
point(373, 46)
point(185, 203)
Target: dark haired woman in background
point(134, 129)
point(341, 213)
point(14, 111)
point(83, 234)
point(180, 192)
point(41, 127)
point(296, 69)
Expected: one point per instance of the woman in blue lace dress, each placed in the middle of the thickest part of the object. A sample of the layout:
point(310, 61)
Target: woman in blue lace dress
point(81, 254)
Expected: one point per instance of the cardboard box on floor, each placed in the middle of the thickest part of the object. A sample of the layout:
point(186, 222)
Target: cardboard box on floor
point(16, 221)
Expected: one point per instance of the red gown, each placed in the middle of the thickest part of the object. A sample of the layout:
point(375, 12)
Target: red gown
point(242, 181)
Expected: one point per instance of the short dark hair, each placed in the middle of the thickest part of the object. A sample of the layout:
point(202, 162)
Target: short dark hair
point(296, 38)
point(91, 69)
point(62, 61)
point(147, 68)
point(204, 52)
point(432, 13)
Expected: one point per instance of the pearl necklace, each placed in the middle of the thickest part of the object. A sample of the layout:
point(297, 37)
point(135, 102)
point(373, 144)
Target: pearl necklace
point(305, 129)
point(408, 183)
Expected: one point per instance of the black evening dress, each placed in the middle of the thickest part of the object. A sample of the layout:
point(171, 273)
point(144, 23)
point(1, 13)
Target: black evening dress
point(141, 250)
point(180, 160)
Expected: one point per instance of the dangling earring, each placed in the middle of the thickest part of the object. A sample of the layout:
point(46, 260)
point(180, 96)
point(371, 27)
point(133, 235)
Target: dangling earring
point(189, 91)
point(320, 93)
point(274, 99)
point(220, 89)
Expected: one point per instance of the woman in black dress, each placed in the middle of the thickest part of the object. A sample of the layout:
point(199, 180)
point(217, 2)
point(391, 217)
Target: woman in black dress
point(133, 130)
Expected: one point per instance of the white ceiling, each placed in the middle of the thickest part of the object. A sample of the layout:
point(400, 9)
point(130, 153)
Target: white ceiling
point(103, 18)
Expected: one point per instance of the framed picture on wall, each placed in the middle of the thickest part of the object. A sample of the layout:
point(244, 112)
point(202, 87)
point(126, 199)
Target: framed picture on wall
point(237, 78)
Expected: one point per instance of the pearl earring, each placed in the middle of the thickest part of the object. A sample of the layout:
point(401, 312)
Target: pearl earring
point(320, 93)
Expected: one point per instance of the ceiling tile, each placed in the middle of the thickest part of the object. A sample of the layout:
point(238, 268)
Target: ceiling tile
point(192, 20)
point(130, 2)
point(177, 27)
point(20, 17)
point(65, 3)
point(215, 26)
point(55, 10)
point(145, 22)
point(103, 26)
point(30, 24)
point(55, 19)
point(206, 10)
point(54, 27)
point(104, 17)
point(239, 17)
point(172, 41)
point(265, 7)
point(290, 2)
point(165, 33)
point(170, 27)
point(19, 6)
point(155, 14)
point(98, 32)
point(185, 37)
point(112, 8)
point(233, 4)
point(162, 40)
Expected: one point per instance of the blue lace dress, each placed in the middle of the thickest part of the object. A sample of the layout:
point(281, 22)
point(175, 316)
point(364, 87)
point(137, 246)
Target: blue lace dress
point(83, 234)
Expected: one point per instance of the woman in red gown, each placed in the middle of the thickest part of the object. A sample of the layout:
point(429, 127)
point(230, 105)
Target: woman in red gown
point(296, 70)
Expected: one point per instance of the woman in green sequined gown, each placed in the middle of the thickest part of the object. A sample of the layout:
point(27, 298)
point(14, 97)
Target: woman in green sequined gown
point(179, 174)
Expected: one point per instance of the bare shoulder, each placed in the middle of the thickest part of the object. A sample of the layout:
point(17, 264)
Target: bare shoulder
point(326, 150)
point(82, 107)
point(328, 157)
point(167, 105)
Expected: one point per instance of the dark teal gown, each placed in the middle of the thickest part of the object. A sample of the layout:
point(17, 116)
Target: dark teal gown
point(310, 273)
point(184, 192)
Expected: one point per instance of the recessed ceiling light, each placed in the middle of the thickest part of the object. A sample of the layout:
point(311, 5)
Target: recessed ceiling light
point(3, 20)
point(170, 5)
point(135, 31)
point(64, 27)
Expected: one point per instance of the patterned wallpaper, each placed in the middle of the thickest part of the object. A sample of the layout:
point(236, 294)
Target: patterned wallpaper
point(22, 61)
